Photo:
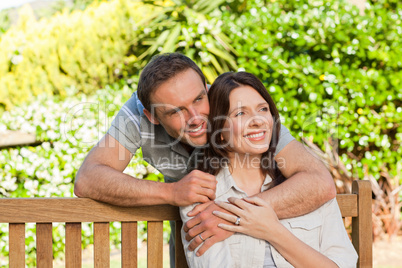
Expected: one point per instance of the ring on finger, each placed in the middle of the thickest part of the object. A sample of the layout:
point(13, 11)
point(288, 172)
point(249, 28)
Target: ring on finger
point(201, 238)
point(237, 221)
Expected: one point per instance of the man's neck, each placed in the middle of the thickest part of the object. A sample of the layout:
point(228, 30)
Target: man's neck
point(187, 147)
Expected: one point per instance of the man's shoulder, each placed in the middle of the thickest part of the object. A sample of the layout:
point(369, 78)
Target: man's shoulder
point(134, 105)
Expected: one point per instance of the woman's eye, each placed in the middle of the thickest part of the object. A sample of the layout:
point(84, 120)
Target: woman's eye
point(264, 109)
point(239, 113)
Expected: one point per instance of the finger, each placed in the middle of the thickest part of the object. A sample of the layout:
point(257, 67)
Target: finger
point(229, 207)
point(191, 223)
point(205, 177)
point(206, 245)
point(225, 216)
point(255, 200)
point(198, 241)
point(209, 193)
point(238, 202)
point(198, 208)
point(194, 231)
point(231, 228)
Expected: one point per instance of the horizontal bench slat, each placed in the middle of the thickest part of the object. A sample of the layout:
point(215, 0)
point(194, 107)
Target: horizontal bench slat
point(43, 210)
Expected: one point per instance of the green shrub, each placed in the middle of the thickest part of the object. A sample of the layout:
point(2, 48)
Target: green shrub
point(85, 49)
point(5, 22)
point(189, 27)
point(69, 129)
point(335, 75)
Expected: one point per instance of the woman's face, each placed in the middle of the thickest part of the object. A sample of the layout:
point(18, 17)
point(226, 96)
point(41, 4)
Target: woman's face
point(248, 128)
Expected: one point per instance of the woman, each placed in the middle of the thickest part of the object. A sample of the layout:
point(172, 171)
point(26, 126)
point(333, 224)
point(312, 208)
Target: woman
point(244, 129)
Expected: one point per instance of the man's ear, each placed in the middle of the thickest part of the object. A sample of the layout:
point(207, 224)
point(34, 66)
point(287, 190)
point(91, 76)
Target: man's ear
point(151, 117)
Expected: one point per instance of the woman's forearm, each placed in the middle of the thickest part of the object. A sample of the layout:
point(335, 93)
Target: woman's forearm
point(295, 251)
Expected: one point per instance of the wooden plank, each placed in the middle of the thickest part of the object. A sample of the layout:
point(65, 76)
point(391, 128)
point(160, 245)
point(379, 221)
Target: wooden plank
point(362, 225)
point(17, 245)
point(129, 256)
point(155, 244)
point(44, 250)
point(73, 245)
point(16, 138)
point(347, 204)
point(101, 245)
point(180, 258)
point(43, 210)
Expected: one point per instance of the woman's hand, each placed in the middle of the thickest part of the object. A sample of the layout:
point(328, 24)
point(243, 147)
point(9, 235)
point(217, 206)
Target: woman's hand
point(257, 218)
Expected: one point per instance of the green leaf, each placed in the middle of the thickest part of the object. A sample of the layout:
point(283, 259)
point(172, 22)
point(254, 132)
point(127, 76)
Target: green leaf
point(172, 39)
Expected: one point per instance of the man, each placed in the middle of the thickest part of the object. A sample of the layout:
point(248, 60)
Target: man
point(168, 120)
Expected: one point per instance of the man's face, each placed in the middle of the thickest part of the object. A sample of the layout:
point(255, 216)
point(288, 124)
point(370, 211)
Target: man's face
point(181, 106)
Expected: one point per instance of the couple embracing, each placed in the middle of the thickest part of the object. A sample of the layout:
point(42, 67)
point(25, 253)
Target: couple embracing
point(249, 194)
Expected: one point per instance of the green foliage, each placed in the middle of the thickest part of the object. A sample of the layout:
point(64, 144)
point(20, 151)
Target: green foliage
point(69, 129)
point(83, 4)
point(5, 22)
point(85, 49)
point(335, 75)
point(108, 41)
point(189, 27)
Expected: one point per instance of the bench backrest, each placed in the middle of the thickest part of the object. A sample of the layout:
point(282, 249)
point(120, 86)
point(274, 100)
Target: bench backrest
point(74, 211)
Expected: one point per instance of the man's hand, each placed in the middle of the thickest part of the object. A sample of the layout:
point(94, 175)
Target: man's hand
point(206, 224)
point(195, 187)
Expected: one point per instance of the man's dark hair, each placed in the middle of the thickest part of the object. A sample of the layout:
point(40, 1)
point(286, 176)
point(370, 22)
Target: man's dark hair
point(160, 69)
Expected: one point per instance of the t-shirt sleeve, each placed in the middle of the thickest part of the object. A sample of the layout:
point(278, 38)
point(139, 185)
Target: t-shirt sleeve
point(284, 138)
point(125, 127)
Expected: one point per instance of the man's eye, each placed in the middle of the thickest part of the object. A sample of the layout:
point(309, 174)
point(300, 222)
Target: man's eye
point(174, 112)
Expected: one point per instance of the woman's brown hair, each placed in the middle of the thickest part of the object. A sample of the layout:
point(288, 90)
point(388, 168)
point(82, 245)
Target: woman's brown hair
point(218, 96)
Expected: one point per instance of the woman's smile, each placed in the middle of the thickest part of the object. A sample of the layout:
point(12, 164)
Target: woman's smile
point(256, 135)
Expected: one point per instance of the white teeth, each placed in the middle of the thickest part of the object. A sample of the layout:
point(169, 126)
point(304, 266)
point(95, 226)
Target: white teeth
point(255, 135)
point(195, 130)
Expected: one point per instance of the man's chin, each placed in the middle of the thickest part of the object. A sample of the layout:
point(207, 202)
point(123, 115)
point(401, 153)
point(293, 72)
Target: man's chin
point(196, 142)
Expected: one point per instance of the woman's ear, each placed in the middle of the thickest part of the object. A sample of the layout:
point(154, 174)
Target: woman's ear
point(152, 118)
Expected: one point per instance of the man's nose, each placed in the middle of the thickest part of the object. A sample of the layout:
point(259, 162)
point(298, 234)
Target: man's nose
point(193, 113)
point(193, 116)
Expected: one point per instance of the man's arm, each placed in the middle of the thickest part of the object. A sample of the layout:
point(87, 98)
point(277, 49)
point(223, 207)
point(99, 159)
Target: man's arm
point(101, 178)
point(308, 186)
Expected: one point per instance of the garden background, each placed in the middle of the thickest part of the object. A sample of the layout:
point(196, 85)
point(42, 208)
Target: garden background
point(334, 71)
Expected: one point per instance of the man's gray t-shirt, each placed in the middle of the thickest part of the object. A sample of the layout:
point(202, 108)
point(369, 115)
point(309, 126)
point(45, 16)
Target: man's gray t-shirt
point(132, 129)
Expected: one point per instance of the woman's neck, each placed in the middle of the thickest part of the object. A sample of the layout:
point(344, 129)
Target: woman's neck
point(246, 172)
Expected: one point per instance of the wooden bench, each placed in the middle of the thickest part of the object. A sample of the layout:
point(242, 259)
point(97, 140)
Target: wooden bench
point(74, 211)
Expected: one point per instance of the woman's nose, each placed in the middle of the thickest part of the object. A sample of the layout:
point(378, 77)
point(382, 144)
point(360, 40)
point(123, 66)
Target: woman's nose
point(256, 121)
